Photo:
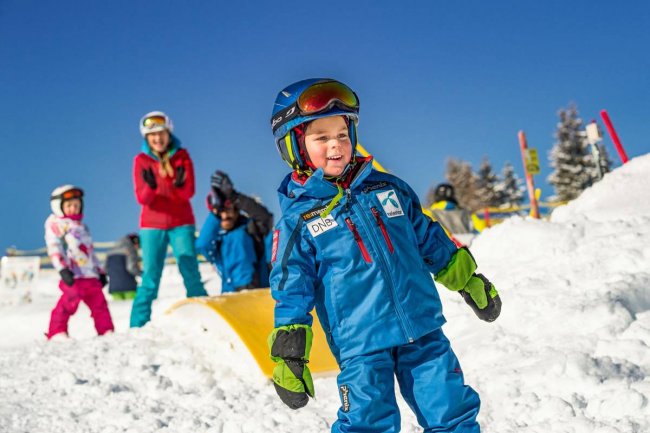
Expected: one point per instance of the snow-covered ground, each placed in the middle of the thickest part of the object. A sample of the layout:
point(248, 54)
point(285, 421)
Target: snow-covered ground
point(570, 352)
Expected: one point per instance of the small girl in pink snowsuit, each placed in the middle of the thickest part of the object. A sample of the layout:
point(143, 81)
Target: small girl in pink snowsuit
point(70, 248)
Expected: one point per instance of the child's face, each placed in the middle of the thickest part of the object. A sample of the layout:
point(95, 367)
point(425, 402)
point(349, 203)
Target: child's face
point(71, 207)
point(328, 144)
point(158, 141)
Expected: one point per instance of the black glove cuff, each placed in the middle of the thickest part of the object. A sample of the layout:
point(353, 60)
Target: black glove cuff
point(290, 344)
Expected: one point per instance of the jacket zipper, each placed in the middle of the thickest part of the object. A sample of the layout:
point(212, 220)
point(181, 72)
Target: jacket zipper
point(382, 227)
point(383, 264)
point(348, 198)
point(357, 238)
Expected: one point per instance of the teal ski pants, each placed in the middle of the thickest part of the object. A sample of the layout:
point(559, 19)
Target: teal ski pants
point(154, 244)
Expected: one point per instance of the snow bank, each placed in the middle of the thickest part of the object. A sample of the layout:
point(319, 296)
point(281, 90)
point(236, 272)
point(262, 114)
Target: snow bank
point(570, 351)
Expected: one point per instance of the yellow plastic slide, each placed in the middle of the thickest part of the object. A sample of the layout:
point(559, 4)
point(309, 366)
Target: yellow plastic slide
point(250, 315)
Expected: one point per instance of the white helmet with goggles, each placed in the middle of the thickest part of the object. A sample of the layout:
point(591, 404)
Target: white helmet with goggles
point(155, 121)
point(64, 193)
point(305, 101)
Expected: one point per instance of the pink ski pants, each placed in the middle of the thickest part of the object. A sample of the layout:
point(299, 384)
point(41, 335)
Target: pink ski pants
point(88, 290)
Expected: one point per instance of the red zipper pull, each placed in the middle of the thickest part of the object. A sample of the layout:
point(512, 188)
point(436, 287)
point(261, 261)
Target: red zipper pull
point(382, 227)
point(358, 239)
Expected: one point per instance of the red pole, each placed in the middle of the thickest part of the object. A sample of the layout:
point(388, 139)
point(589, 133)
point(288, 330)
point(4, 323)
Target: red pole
point(614, 136)
point(523, 145)
point(486, 216)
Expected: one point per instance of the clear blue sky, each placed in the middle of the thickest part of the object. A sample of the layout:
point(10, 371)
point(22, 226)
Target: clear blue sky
point(436, 79)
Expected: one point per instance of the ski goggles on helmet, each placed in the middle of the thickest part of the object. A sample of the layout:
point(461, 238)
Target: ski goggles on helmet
point(318, 98)
point(69, 194)
point(153, 121)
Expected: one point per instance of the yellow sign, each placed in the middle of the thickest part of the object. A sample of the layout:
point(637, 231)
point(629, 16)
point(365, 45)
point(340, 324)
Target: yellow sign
point(532, 161)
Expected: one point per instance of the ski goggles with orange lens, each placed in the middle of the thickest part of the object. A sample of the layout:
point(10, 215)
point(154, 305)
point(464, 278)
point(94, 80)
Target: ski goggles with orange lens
point(322, 96)
point(319, 98)
point(69, 194)
point(152, 121)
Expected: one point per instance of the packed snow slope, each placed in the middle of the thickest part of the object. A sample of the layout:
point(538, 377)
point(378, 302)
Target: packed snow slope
point(568, 354)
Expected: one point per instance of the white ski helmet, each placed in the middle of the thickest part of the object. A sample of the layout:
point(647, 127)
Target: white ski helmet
point(155, 121)
point(63, 193)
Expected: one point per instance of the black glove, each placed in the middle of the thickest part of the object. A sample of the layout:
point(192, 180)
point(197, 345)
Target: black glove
point(67, 276)
point(103, 279)
point(482, 296)
point(179, 180)
point(222, 183)
point(149, 177)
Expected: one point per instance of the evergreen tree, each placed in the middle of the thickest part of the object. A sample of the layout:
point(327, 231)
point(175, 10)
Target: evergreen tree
point(486, 182)
point(570, 157)
point(510, 189)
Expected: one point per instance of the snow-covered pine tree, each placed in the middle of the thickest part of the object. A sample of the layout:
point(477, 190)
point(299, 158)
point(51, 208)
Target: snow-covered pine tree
point(510, 189)
point(486, 183)
point(460, 175)
point(570, 157)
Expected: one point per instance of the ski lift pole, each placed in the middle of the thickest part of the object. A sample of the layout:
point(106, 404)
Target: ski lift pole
point(594, 136)
point(523, 146)
point(614, 136)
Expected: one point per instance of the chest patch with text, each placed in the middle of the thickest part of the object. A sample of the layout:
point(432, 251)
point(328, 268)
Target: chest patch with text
point(316, 224)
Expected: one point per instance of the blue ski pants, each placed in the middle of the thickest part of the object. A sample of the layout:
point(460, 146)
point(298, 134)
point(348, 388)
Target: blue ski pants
point(154, 244)
point(429, 378)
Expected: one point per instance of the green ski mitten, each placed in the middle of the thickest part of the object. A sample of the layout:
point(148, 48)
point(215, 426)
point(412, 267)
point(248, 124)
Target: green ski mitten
point(290, 346)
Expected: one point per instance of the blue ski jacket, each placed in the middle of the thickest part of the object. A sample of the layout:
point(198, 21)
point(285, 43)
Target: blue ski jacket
point(233, 254)
point(366, 267)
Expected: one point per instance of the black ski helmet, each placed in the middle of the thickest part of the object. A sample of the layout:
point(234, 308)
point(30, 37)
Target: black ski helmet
point(444, 192)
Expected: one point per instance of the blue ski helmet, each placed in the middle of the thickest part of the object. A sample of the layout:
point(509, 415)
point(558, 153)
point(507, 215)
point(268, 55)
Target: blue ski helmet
point(305, 101)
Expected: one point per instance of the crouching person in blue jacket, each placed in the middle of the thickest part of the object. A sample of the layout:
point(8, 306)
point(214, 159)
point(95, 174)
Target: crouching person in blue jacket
point(354, 243)
point(233, 236)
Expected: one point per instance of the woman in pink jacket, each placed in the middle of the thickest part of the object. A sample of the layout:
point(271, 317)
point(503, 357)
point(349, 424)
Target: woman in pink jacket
point(70, 248)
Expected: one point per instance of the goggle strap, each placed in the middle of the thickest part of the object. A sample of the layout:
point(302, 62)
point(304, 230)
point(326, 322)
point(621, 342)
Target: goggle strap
point(285, 115)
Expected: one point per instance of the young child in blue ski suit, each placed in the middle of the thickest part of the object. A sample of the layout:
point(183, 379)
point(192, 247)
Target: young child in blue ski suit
point(353, 243)
point(234, 242)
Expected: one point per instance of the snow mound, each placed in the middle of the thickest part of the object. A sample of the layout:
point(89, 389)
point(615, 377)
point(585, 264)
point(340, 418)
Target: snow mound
point(622, 195)
point(571, 349)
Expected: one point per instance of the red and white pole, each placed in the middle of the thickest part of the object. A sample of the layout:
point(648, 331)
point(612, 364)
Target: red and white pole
point(523, 146)
point(614, 136)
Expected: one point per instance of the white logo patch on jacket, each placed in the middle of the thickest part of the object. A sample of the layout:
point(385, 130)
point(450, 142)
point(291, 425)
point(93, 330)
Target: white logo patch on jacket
point(390, 203)
point(315, 223)
point(319, 225)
